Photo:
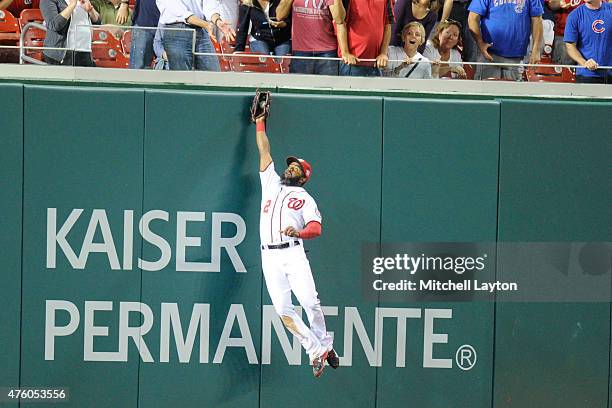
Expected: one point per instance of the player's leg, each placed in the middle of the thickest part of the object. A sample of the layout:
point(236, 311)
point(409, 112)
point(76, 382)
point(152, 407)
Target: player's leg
point(303, 286)
point(280, 293)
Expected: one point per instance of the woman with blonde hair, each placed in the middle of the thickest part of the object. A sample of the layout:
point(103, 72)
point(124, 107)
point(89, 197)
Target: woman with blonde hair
point(442, 48)
point(406, 61)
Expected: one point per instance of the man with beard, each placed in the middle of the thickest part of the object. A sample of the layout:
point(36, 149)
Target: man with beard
point(289, 215)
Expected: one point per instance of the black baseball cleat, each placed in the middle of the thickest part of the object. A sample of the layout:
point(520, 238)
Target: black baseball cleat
point(332, 359)
point(318, 364)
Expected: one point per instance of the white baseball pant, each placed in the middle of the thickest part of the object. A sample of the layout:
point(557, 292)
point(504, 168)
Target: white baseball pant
point(287, 270)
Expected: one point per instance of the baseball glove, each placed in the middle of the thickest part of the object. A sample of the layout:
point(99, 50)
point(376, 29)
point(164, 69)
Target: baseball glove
point(261, 105)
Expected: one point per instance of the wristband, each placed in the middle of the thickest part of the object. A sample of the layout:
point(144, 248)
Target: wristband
point(261, 126)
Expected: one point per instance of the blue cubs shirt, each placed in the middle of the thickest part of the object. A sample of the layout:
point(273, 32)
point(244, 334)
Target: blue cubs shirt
point(591, 31)
point(506, 24)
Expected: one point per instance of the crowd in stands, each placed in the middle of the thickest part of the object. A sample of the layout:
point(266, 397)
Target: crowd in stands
point(398, 38)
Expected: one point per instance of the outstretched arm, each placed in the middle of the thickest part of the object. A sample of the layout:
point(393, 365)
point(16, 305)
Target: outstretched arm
point(263, 144)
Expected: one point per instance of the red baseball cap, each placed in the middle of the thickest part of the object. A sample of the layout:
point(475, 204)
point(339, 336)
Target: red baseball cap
point(306, 167)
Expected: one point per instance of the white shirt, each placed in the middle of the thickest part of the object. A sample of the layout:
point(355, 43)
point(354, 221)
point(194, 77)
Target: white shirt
point(227, 9)
point(178, 11)
point(79, 31)
point(422, 70)
point(432, 54)
point(283, 206)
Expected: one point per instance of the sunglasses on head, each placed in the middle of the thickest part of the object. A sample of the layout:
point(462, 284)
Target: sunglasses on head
point(451, 21)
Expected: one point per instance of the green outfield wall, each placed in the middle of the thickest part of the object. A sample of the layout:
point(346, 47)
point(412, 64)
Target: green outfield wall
point(131, 265)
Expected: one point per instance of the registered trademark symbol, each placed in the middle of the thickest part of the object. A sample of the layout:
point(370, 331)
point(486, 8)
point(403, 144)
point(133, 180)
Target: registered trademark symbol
point(465, 357)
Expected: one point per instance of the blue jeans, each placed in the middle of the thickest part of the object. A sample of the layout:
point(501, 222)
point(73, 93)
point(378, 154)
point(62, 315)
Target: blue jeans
point(262, 47)
point(358, 70)
point(141, 50)
point(179, 44)
point(315, 67)
point(581, 79)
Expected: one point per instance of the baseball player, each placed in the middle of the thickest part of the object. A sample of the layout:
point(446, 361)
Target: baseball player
point(288, 216)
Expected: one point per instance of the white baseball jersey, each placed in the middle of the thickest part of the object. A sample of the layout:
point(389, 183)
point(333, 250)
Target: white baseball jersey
point(283, 206)
point(287, 270)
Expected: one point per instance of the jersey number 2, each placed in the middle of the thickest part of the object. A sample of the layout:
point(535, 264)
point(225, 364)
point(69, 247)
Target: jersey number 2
point(267, 206)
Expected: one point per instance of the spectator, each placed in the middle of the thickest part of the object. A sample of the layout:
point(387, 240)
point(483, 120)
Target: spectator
point(442, 48)
point(458, 10)
point(414, 65)
point(15, 7)
point(312, 35)
point(269, 35)
point(501, 30)
point(224, 16)
point(365, 33)
point(109, 14)
point(422, 11)
point(109, 11)
point(146, 14)
point(561, 9)
point(161, 61)
point(179, 18)
point(588, 38)
point(548, 34)
point(68, 27)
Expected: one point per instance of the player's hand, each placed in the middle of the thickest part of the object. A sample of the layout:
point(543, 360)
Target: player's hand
point(291, 232)
point(591, 64)
point(484, 47)
point(349, 58)
point(381, 60)
point(228, 32)
point(122, 14)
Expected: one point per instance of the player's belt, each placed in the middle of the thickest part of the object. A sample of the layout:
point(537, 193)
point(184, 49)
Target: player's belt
point(281, 246)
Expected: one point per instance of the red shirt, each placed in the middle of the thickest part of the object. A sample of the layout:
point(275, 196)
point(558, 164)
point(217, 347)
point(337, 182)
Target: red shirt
point(18, 5)
point(312, 26)
point(366, 21)
point(561, 15)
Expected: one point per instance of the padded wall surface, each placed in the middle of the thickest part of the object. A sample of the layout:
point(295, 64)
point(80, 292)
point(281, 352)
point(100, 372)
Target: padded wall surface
point(440, 185)
point(102, 168)
point(11, 157)
point(554, 187)
point(341, 139)
point(199, 158)
point(83, 150)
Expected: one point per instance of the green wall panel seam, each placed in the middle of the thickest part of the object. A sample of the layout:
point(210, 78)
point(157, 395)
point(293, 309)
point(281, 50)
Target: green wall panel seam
point(144, 135)
point(499, 101)
point(380, 218)
point(22, 225)
point(609, 351)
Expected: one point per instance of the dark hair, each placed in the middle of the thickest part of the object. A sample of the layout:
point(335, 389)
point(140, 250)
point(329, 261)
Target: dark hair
point(434, 5)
